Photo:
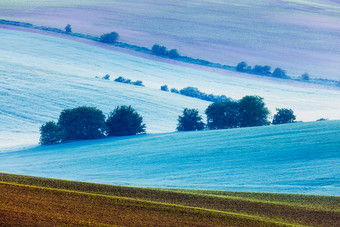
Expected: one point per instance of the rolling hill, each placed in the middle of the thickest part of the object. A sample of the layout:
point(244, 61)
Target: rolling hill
point(41, 75)
point(297, 35)
point(294, 158)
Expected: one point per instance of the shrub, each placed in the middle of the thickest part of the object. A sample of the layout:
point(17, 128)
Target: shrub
point(279, 73)
point(124, 121)
point(241, 67)
point(305, 76)
point(138, 83)
point(165, 88)
point(159, 50)
point(50, 133)
point(174, 90)
point(223, 115)
point(253, 111)
point(82, 123)
point(173, 53)
point(283, 116)
point(190, 120)
point(68, 28)
point(261, 70)
point(106, 77)
point(109, 37)
point(122, 80)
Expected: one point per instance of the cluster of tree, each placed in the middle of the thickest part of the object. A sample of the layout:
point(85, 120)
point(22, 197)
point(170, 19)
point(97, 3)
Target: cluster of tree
point(162, 51)
point(248, 112)
point(84, 123)
point(109, 37)
point(196, 93)
point(261, 70)
point(128, 81)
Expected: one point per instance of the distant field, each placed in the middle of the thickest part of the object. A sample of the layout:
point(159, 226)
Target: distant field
point(297, 35)
point(33, 201)
point(46, 73)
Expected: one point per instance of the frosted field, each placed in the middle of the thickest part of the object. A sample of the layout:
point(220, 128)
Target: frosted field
point(294, 158)
point(297, 35)
point(41, 75)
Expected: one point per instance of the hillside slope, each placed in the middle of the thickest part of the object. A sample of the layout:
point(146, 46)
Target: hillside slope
point(292, 158)
point(300, 36)
point(41, 75)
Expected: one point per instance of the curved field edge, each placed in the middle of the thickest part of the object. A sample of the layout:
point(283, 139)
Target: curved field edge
point(180, 58)
point(187, 207)
point(56, 206)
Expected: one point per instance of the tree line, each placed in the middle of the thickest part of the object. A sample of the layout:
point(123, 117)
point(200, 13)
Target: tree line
point(248, 112)
point(84, 123)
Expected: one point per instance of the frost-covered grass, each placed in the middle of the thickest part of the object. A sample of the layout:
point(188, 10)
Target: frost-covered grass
point(293, 158)
point(41, 75)
point(45, 201)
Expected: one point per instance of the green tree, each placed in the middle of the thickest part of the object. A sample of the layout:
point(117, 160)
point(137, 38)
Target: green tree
point(82, 123)
point(109, 37)
point(50, 133)
point(253, 111)
point(190, 120)
point(124, 121)
point(284, 116)
point(223, 115)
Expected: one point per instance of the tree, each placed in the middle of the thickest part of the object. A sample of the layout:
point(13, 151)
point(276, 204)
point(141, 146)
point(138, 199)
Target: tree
point(124, 121)
point(261, 70)
point(173, 53)
point(305, 76)
point(223, 115)
point(174, 90)
point(190, 120)
point(284, 116)
point(109, 37)
point(82, 123)
point(50, 133)
point(241, 67)
point(165, 88)
point(279, 73)
point(68, 28)
point(159, 50)
point(253, 111)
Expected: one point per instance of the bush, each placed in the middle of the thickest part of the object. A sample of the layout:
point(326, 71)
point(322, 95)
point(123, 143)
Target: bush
point(82, 123)
point(305, 76)
point(190, 120)
point(138, 83)
point(165, 88)
point(109, 37)
point(124, 121)
point(261, 70)
point(253, 111)
point(159, 50)
point(106, 77)
point(223, 115)
point(173, 53)
point(241, 67)
point(284, 116)
point(279, 73)
point(174, 90)
point(50, 133)
point(68, 28)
